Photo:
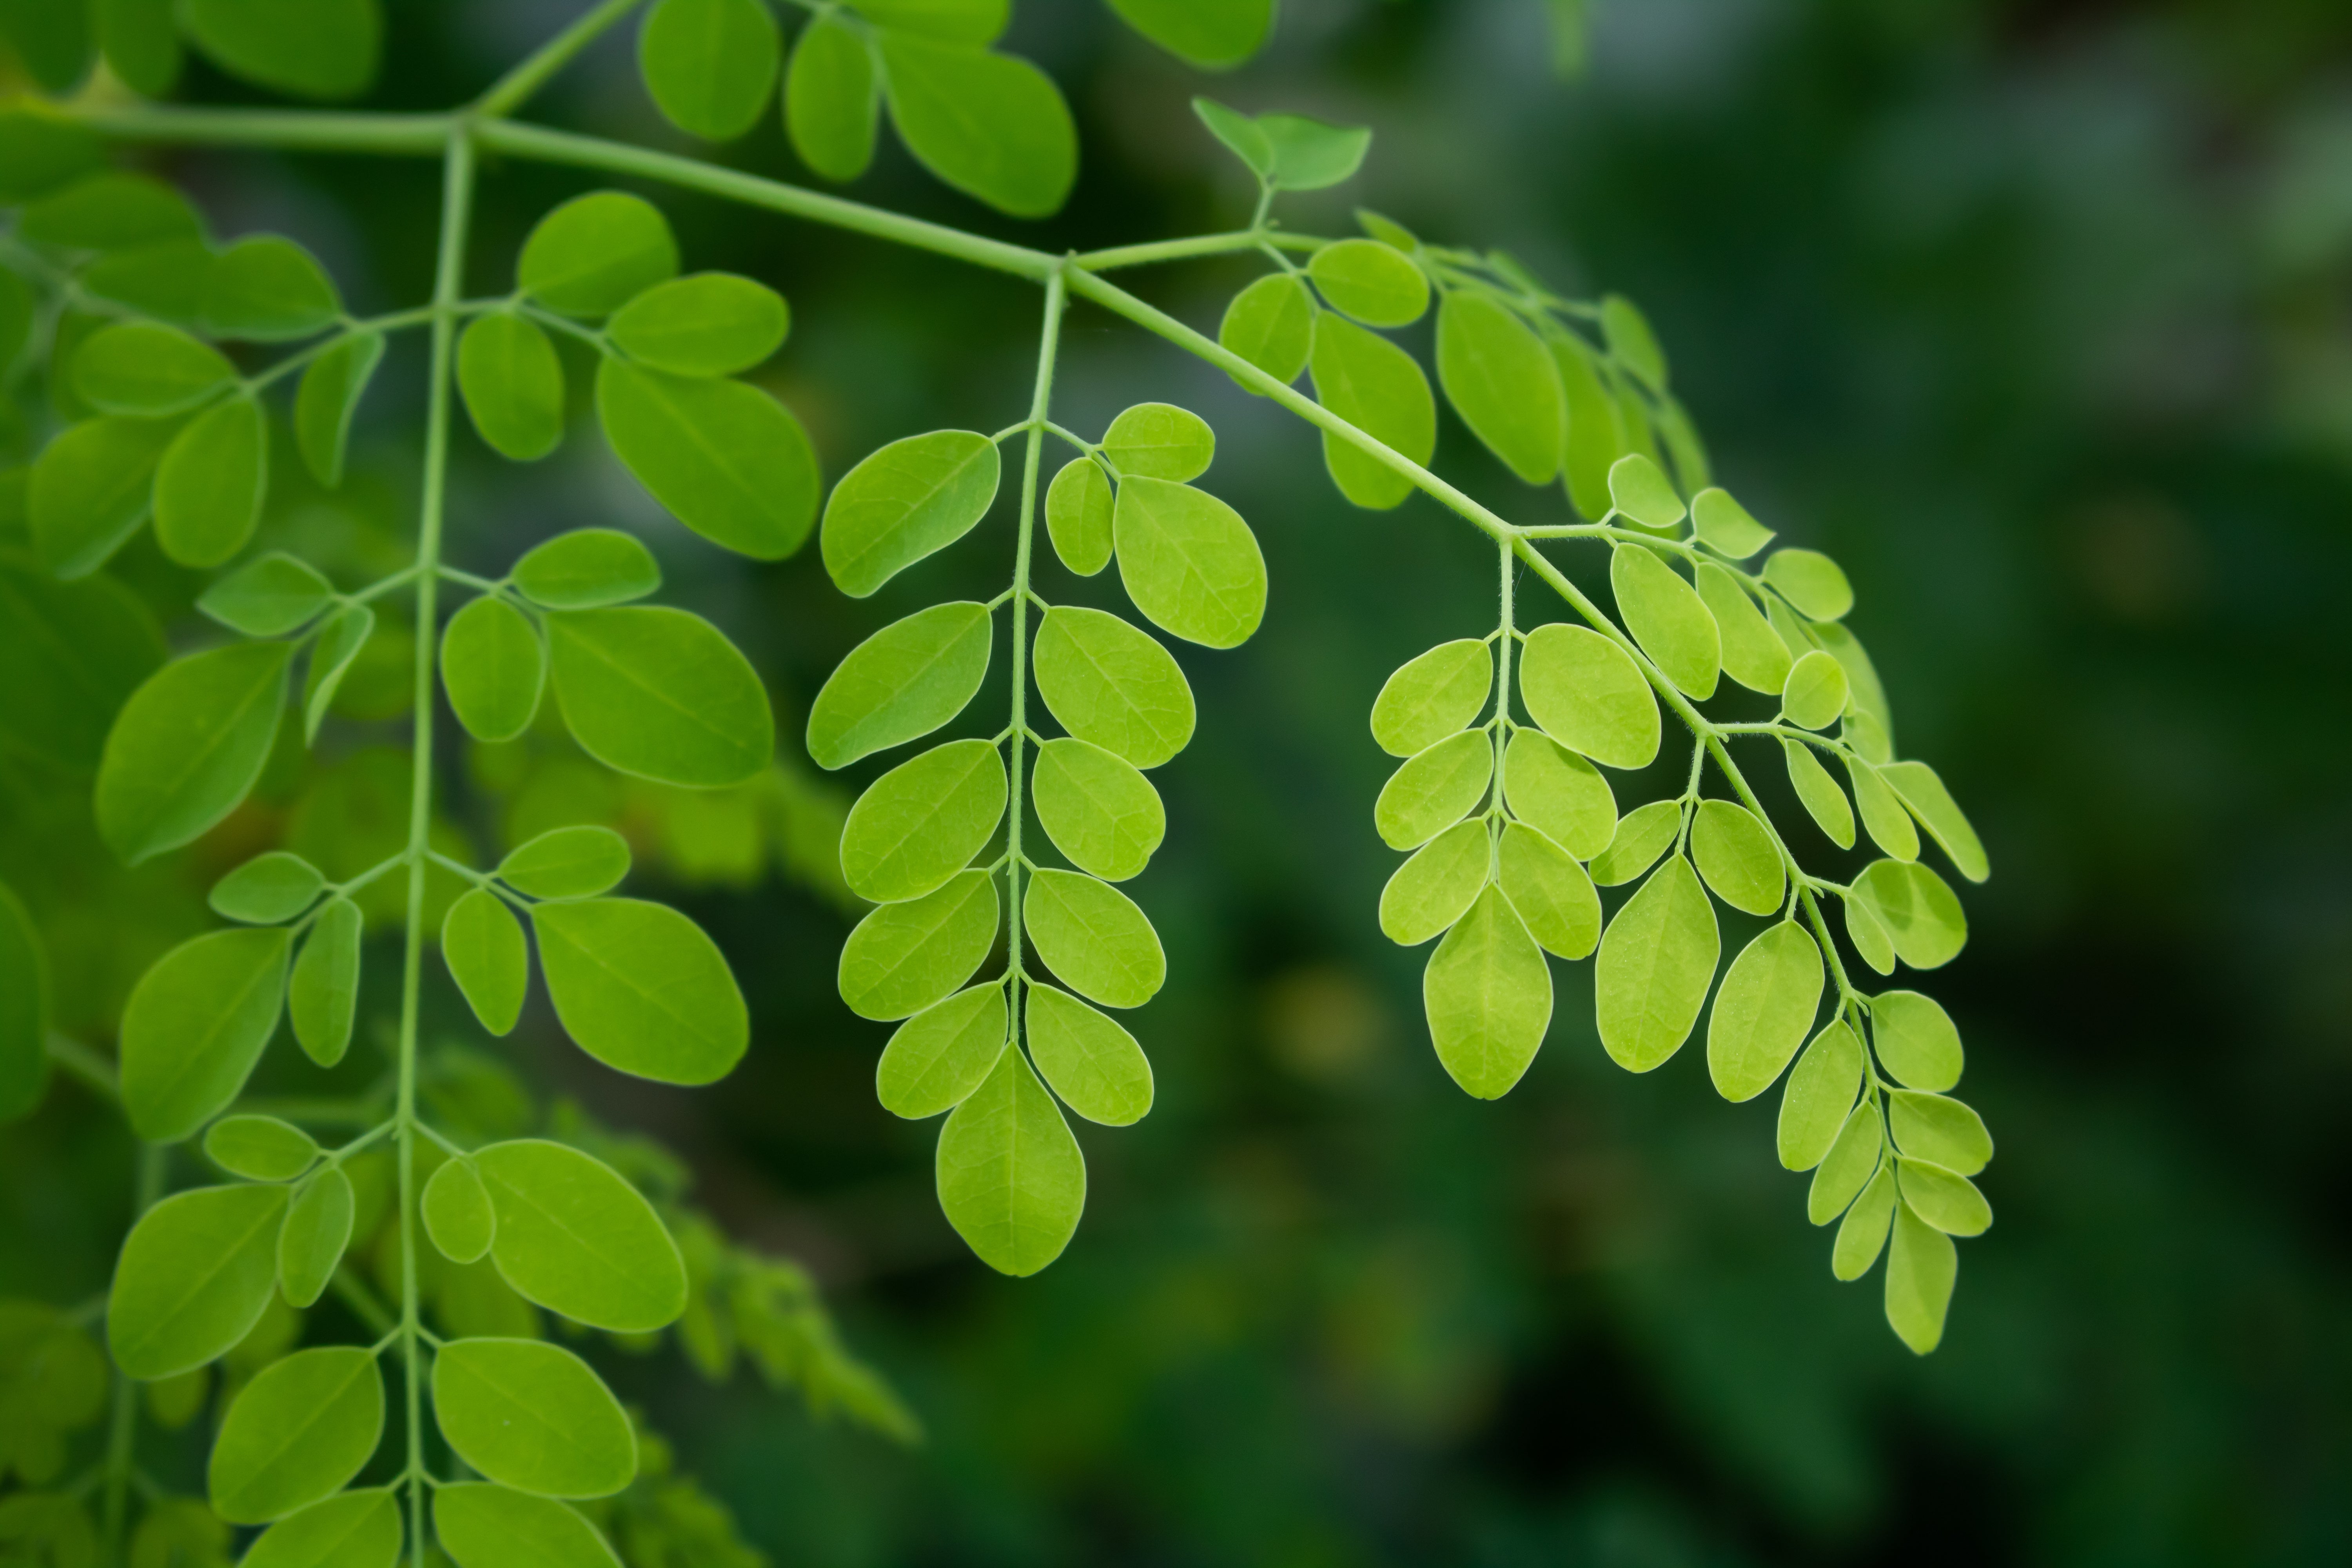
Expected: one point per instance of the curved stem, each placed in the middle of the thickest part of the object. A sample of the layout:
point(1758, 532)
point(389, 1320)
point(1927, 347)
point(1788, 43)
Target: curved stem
point(1040, 399)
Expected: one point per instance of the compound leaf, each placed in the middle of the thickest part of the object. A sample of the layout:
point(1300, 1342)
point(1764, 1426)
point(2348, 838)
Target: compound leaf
point(1640, 488)
point(1726, 527)
point(296, 1433)
point(909, 499)
point(1560, 796)
point(1851, 1162)
point(1813, 692)
point(1111, 684)
point(1309, 155)
point(1552, 892)
point(660, 693)
point(1918, 787)
point(938, 1057)
point(904, 957)
point(1091, 1062)
point(533, 1416)
point(1656, 960)
point(903, 681)
point(572, 1236)
point(1189, 562)
point(195, 1275)
point(1434, 789)
point(1762, 1011)
point(1642, 834)
point(923, 821)
point(1271, 323)
point(195, 1024)
point(1160, 441)
point(1588, 695)
point(642, 988)
point(1862, 1233)
point(1096, 808)
point(1944, 1199)
point(1487, 993)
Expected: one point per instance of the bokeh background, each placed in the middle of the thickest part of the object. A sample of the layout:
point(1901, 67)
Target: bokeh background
point(2038, 316)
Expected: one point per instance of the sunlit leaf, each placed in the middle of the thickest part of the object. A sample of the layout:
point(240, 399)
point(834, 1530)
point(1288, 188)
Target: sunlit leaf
point(1550, 891)
point(1763, 1011)
point(904, 957)
point(710, 65)
point(1503, 381)
point(1380, 389)
point(1189, 562)
point(512, 383)
point(832, 101)
point(328, 398)
point(1112, 685)
point(1811, 581)
point(990, 125)
point(1096, 808)
point(587, 569)
point(1377, 284)
point(1642, 834)
point(1725, 525)
point(1271, 323)
point(260, 1148)
point(195, 1024)
point(1094, 937)
point(1656, 960)
point(1487, 993)
point(485, 1526)
point(1738, 857)
point(727, 460)
point(323, 995)
point(195, 1275)
point(595, 253)
point(1921, 1267)
point(903, 681)
point(1010, 1178)
point(938, 1057)
point(483, 944)
point(296, 1433)
point(641, 988)
point(1092, 1063)
point(533, 1416)
point(1078, 516)
point(660, 693)
point(1430, 892)
point(1560, 796)
point(1588, 695)
point(1434, 789)
point(266, 288)
point(573, 1236)
point(567, 863)
point(909, 499)
point(1939, 1130)
point(1819, 1096)
point(923, 821)
point(711, 323)
point(1668, 618)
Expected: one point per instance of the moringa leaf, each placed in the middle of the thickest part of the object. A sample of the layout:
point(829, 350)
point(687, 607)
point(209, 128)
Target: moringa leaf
point(1824, 802)
point(322, 999)
point(595, 253)
point(1862, 1233)
point(1917, 1040)
point(197, 1273)
point(350, 1529)
point(660, 693)
point(710, 65)
point(1377, 284)
point(331, 656)
point(1738, 857)
point(312, 48)
point(1939, 1130)
point(458, 1212)
point(512, 383)
point(903, 681)
point(1308, 155)
point(533, 1416)
point(1096, 808)
point(1725, 526)
point(641, 988)
point(266, 288)
point(938, 1057)
point(1811, 582)
point(1883, 816)
point(1010, 1178)
point(1189, 562)
point(1753, 653)
point(73, 653)
point(1763, 1011)
point(1668, 618)
point(1078, 516)
point(1214, 35)
point(1487, 993)
point(1434, 789)
point(1596, 433)
point(923, 821)
point(494, 668)
point(260, 1148)
point(269, 596)
point(1160, 441)
point(297, 1434)
point(1921, 1267)
point(1380, 389)
point(1852, 1162)
point(1271, 323)
point(1918, 787)
point(1868, 935)
point(992, 126)
point(1560, 796)
point(1631, 342)
point(1640, 488)
point(482, 944)
point(111, 210)
point(1657, 958)
point(194, 1027)
point(328, 397)
point(1550, 891)
point(1112, 685)
point(567, 863)
point(143, 369)
point(1432, 891)
point(912, 498)
point(832, 101)
point(587, 569)
point(91, 487)
point(1947, 1201)
point(23, 1009)
point(485, 1526)
point(1089, 1059)
point(1588, 695)
point(1094, 937)
point(1503, 381)
point(571, 1234)
point(904, 957)
point(1813, 693)
point(726, 459)
point(1819, 1097)
point(318, 1228)
point(266, 888)
point(1432, 696)
point(711, 323)
point(1642, 834)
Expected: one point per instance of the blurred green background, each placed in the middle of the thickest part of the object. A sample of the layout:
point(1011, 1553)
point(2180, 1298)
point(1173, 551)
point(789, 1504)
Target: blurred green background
point(2039, 317)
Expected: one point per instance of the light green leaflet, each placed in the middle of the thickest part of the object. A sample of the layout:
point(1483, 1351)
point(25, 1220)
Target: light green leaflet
point(587, 569)
point(1588, 695)
point(939, 1057)
point(340, 642)
point(323, 998)
point(1502, 380)
point(23, 1009)
point(1813, 693)
point(1432, 696)
point(923, 821)
point(711, 323)
point(1010, 1175)
point(1189, 562)
point(1429, 892)
point(1883, 817)
point(269, 596)
point(710, 65)
point(1918, 786)
point(1862, 1233)
point(660, 693)
point(1753, 653)
point(195, 1274)
point(1550, 891)
point(1642, 834)
point(1824, 801)
point(1271, 323)
point(209, 485)
point(1656, 960)
point(1304, 155)
point(90, 488)
point(1434, 789)
point(1811, 582)
point(318, 1228)
point(1668, 618)
point(1950, 1203)
point(642, 989)
point(567, 863)
point(1380, 389)
point(73, 652)
point(1110, 684)
point(321, 48)
point(1091, 1062)
point(533, 1416)
point(1944, 1131)
point(595, 253)
point(1631, 342)
point(913, 497)
point(1725, 525)
point(138, 367)
point(1094, 937)
point(163, 278)
point(831, 101)
point(328, 397)
point(1763, 1011)
point(1918, 909)
point(1852, 1161)
point(493, 1527)
point(1864, 733)
point(297, 1434)
point(1920, 1270)
point(354, 1530)
point(992, 126)
point(512, 383)
point(1078, 514)
point(727, 460)
point(903, 681)
point(266, 288)
point(1640, 488)
point(1867, 693)
point(1737, 857)
point(266, 888)
point(259, 1148)
point(1487, 993)
point(1560, 796)
point(483, 944)
point(904, 957)
point(1097, 808)
point(1869, 936)
point(1210, 34)
point(1917, 1041)
point(1596, 437)
point(1377, 284)
point(1820, 1094)
point(458, 1214)
point(494, 668)
point(187, 746)
point(1160, 441)
point(194, 1027)
point(573, 1236)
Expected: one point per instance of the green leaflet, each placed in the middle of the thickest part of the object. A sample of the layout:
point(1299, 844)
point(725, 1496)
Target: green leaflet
point(259, 1148)
point(1550, 891)
point(1308, 155)
point(1862, 1233)
point(1432, 696)
point(533, 1416)
point(1110, 684)
point(24, 1010)
point(1380, 389)
point(140, 368)
point(909, 499)
point(990, 125)
point(109, 211)
point(1596, 437)
point(1502, 380)
point(1189, 562)
point(1813, 693)
point(512, 383)
point(90, 488)
point(572, 1236)
point(339, 644)
point(1753, 653)
point(587, 569)
point(1377, 284)
point(483, 944)
point(1737, 857)
point(1921, 915)
point(1434, 789)
point(1824, 802)
point(353, 1529)
point(1668, 618)
point(1852, 1161)
point(904, 957)
point(1631, 342)
point(195, 1024)
point(74, 652)
point(1487, 993)
point(312, 48)
point(660, 693)
point(1640, 488)
point(1866, 693)
point(938, 1057)
point(1562, 796)
point(831, 100)
point(1883, 816)
point(1211, 34)
point(1098, 810)
point(1588, 695)
point(1819, 1096)
point(903, 681)
point(1869, 936)
point(39, 153)
point(1917, 1041)
point(1656, 960)
point(297, 1434)
point(195, 1274)
point(1940, 1130)
point(1725, 526)
point(567, 863)
point(727, 460)
point(1094, 937)
point(1077, 516)
point(269, 596)
point(1160, 441)
point(163, 278)
point(923, 821)
point(642, 989)
point(1918, 786)
point(266, 888)
point(1920, 1270)
point(323, 998)
point(1642, 834)
point(1010, 1175)
point(266, 288)
point(1811, 582)
point(1429, 892)
point(1763, 1010)
point(710, 65)
point(1271, 323)
point(328, 397)
point(595, 253)
point(493, 1527)
point(318, 1228)
point(711, 323)
point(1091, 1062)
point(1949, 1202)
point(457, 1211)
point(494, 668)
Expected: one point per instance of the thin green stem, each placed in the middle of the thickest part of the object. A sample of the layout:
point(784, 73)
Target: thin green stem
point(1040, 400)
point(310, 130)
point(123, 1421)
point(1505, 622)
point(1185, 249)
point(509, 92)
point(80, 1061)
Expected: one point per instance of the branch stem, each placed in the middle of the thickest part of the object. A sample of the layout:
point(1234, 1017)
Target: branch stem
point(1041, 400)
